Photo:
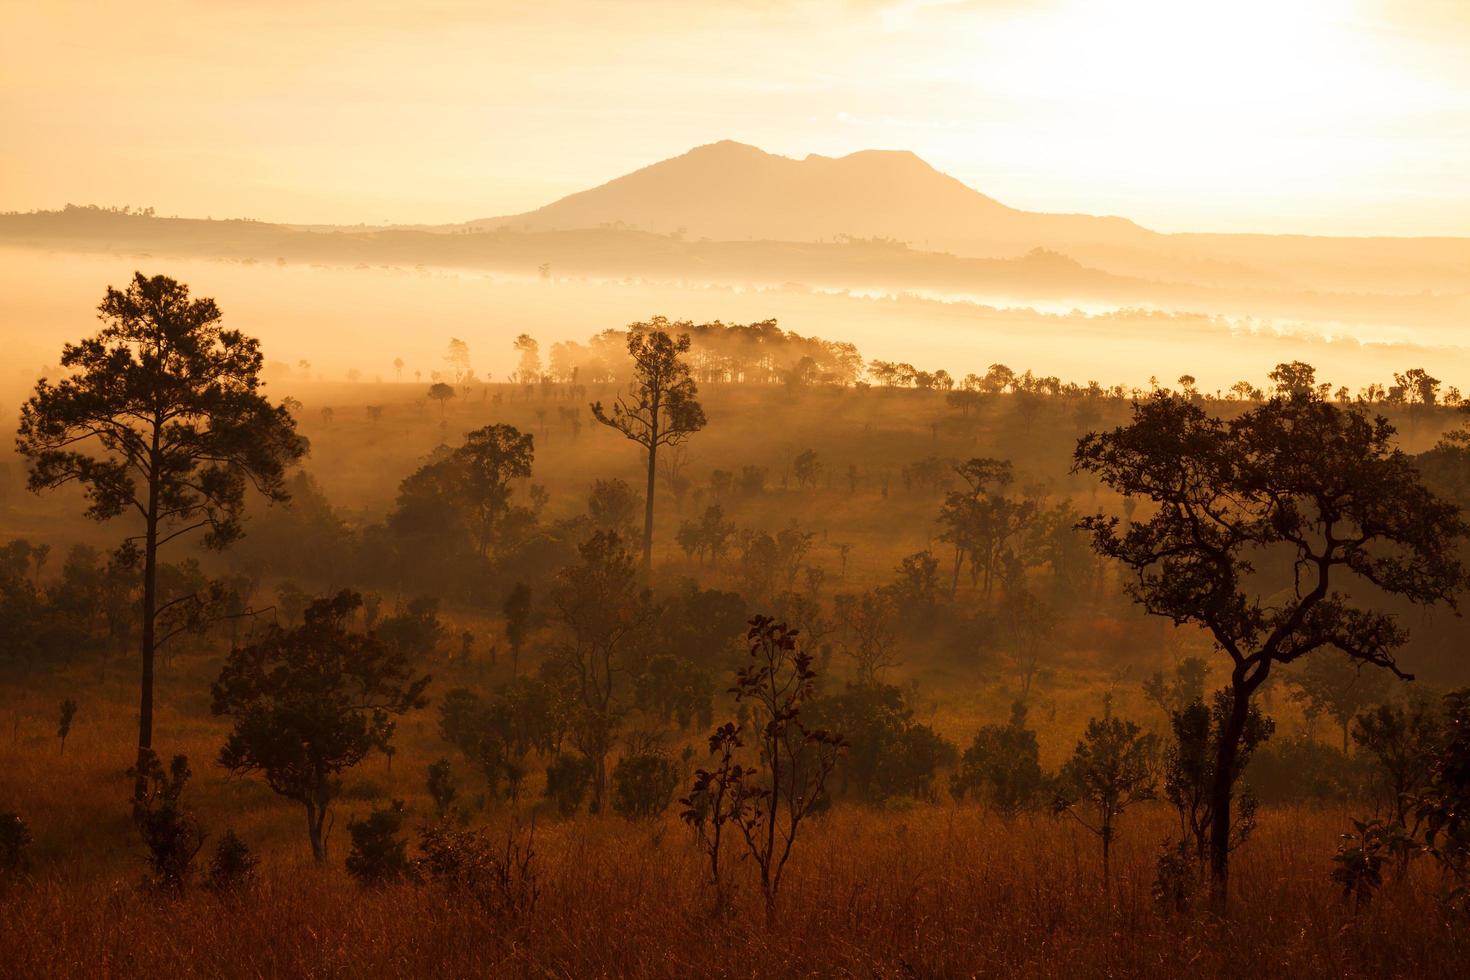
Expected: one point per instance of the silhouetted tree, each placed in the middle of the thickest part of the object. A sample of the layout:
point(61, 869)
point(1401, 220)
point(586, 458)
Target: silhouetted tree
point(661, 407)
point(1403, 740)
point(605, 614)
point(1254, 519)
point(1002, 766)
point(1338, 688)
point(378, 855)
point(1114, 766)
point(63, 728)
point(468, 491)
point(457, 355)
point(766, 803)
point(643, 784)
point(162, 417)
point(170, 830)
point(311, 702)
point(528, 362)
point(517, 611)
point(441, 393)
point(442, 786)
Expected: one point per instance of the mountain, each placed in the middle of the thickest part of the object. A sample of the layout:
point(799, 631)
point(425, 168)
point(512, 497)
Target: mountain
point(729, 191)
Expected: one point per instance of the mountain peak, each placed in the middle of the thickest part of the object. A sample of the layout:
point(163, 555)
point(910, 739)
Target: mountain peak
point(732, 191)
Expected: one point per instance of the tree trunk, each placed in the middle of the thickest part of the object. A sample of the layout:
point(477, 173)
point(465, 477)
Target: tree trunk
point(648, 512)
point(1107, 849)
point(1223, 787)
point(315, 817)
point(150, 606)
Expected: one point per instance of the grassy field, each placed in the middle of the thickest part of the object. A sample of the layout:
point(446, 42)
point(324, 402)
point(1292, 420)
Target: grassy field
point(911, 890)
point(923, 890)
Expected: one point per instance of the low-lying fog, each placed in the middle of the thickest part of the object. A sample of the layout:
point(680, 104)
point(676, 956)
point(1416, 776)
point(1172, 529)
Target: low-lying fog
point(341, 318)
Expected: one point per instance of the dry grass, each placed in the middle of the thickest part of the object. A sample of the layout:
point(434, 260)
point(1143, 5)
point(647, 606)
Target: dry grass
point(929, 891)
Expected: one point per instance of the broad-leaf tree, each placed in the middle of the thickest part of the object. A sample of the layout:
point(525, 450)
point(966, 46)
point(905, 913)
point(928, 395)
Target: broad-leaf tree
point(1260, 525)
point(161, 417)
point(660, 407)
point(466, 493)
point(311, 702)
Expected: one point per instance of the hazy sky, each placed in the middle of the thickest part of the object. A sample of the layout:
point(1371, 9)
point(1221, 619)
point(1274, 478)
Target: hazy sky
point(1331, 116)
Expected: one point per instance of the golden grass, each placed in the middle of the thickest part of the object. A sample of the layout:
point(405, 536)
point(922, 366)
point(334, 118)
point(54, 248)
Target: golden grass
point(928, 891)
point(938, 891)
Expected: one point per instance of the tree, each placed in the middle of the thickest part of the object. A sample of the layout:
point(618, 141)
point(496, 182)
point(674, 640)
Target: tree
point(162, 417)
point(442, 786)
point(378, 855)
point(661, 407)
point(1028, 623)
point(63, 727)
point(517, 611)
point(709, 536)
point(1256, 520)
point(312, 702)
point(613, 506)
point(767, 803)
point(1191, 774)
point(170, 831)
point(1338, 688)
point(980, 520)
point(604, 614)
point(528, 364)
point(643, 784)
point(807, 468)
point(458, 357)
point(467, 491)
point(1114, 766)
point(441, 393)
point(1403, 740)
point(1002, 766)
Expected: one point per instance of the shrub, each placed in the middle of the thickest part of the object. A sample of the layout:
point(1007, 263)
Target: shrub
point(233, 866)
point(442, 786)
point(567, 780)
point(1002, 767)
point(643, 785)
point(1298, 769)
point(500, 879)
point(170, 832)
point(378, 854)
point(15, 839)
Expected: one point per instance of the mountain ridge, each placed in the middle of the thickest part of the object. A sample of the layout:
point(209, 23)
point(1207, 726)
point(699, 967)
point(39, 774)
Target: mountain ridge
point(733, 191)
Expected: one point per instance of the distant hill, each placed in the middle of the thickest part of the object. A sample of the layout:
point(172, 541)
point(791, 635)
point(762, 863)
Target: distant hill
point(729, 191)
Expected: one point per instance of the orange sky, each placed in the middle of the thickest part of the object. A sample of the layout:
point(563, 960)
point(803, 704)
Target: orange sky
point(1328, 116)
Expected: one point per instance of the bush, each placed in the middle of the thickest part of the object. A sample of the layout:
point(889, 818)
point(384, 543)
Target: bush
point(501, 880)
point(567, 780)
point(1299, 770)
point(170, 832)
point(443, 788)
point(1002, 767)
point(15, 839)
point(643, 785)
point(233, 866)
point(378, 855)
point(889, 754)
